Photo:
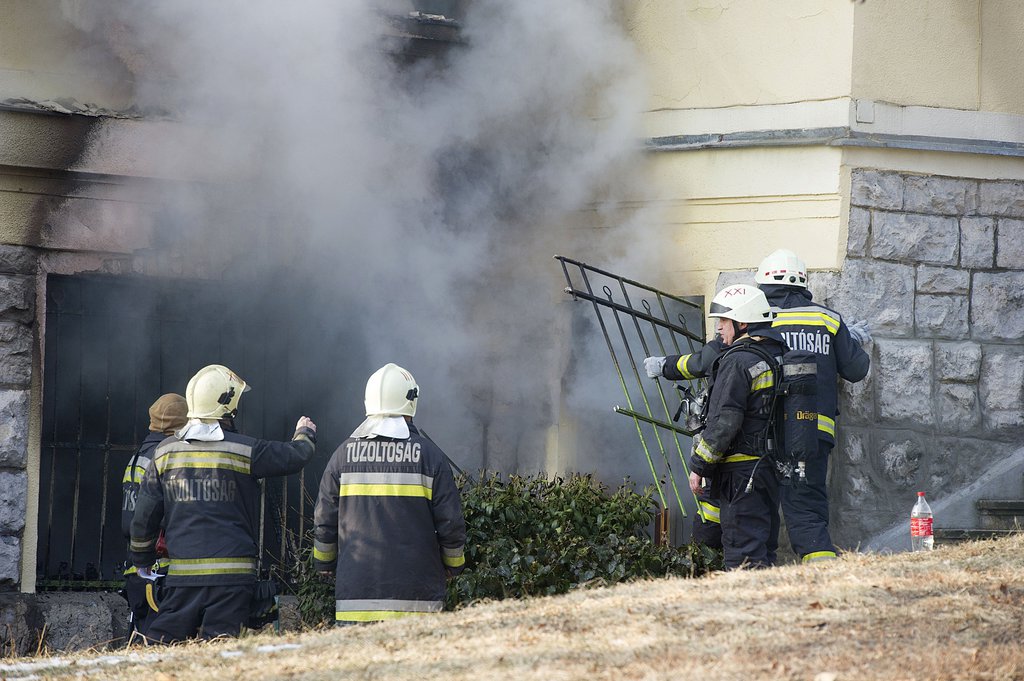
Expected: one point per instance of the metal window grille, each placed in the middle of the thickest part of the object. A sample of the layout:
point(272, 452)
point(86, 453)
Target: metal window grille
point(639, 321)
point(113, 345)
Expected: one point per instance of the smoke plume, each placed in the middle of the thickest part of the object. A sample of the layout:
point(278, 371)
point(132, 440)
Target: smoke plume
point(389, 209)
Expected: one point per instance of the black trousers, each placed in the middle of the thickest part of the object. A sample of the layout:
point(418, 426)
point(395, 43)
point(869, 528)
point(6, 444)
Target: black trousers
point(805, 508)
point(750, 519)
point(203, 611)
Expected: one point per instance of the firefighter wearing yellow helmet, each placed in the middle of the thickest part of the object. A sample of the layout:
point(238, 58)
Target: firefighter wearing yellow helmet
point(203, 487)
point(388, 519)
point(728, 454)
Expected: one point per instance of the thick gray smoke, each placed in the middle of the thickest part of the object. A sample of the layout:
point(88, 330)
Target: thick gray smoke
point(395, 210)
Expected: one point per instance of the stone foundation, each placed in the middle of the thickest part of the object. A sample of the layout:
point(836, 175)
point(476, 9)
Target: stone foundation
point(936, 264)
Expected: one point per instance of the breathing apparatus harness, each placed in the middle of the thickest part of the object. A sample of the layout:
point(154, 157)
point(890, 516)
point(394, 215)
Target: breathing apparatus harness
point(790, 433)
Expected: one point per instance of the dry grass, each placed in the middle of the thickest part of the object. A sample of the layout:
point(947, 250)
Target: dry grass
point(955, 613)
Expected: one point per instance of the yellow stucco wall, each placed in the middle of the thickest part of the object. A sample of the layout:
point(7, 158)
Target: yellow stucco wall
point(713, 53)
point(44, 57)
point(727, 209)
point(966, 54)
point(747, 65)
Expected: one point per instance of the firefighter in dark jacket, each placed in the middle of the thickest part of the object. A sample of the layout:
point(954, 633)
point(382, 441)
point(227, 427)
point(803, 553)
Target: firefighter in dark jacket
point(166, 415)
point(203, 486)
point(730, 452)
point(806, 325)
point(388, 518)
point(707, 528)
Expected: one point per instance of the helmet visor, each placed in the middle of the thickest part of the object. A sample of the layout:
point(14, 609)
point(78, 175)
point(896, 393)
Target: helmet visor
point(718, 309)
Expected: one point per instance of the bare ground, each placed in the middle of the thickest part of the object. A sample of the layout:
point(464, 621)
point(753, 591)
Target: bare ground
point(955, 613)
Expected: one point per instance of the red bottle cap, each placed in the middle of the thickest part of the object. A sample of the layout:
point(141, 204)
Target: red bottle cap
point(920, 494)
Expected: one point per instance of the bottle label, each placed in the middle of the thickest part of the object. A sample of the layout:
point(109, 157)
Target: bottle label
point(920, 527)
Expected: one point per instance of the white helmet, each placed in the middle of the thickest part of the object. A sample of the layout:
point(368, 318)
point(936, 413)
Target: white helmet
point(782, 267)
point(741, 303)
point(213, 393)
point(391, 391)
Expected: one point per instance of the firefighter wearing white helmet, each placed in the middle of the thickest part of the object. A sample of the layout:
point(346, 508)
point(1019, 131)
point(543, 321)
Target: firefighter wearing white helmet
point(726, 462)
point(782, 267)
point(388, 519)
point(736, 308)
point(806, 325)
point(214, 392)
point(203, 488)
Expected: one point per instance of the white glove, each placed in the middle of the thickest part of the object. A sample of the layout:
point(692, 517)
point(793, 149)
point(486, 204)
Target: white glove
point(653, 366)
point(860, 331)
point(147, 573)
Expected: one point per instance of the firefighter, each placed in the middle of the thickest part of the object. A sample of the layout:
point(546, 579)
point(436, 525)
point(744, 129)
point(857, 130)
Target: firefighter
point(203, 486)
point(707, 528)
point(806, 325)
point(729, 453)
point(166, 415)
point(388, 519)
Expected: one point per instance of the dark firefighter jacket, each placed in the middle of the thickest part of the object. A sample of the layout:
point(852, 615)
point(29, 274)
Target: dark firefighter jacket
point(133, 478)
point(207, 495)
point(739, 406)
point(389, 521)
point(694, 365)
point(805, 325)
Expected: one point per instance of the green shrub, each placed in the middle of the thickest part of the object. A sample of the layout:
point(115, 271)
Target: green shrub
point(535, 536)
point(314, 592)
point(531, 535)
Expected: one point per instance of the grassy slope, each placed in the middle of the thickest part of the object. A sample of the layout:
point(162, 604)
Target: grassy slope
point(955, 613)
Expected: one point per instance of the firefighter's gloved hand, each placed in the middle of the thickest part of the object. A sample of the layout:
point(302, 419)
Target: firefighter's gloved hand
point(653, 366)
point(860, 331)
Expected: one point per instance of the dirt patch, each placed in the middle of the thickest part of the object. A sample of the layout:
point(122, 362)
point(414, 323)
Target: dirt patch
point(955, 613)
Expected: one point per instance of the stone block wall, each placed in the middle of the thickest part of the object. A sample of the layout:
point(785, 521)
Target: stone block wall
point(937, 266)
point(17, 341)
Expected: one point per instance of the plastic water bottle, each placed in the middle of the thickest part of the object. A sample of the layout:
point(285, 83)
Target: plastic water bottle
point(921, 536)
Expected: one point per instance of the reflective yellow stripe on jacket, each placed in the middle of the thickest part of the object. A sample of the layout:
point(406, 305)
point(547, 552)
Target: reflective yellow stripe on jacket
point(373, 610)
point(681, 366)
point(133, 474)
point(702, 449)
point(453, 558)
point(385, 485)
point(194, 567)
point(806, 317)
point(231, 456)
point(325, 553)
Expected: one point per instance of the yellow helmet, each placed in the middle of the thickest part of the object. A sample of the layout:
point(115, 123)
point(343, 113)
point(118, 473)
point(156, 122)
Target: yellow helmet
point(391, 391)
point(213, 393)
